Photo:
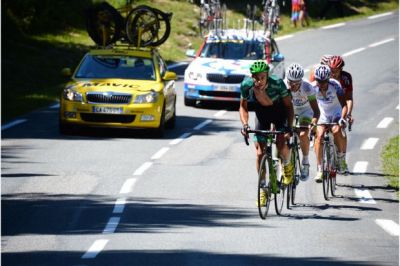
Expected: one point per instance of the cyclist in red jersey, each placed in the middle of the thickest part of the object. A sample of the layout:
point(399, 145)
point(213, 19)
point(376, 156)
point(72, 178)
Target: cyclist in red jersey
point(336, 64)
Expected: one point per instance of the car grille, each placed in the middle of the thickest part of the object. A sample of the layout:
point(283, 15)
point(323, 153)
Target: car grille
point(106, 118)
point(226, 94)
point(219, 78)
point(108, 97)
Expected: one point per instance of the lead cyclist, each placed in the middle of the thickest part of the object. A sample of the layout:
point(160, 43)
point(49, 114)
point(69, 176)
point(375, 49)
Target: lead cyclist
point(305, 107)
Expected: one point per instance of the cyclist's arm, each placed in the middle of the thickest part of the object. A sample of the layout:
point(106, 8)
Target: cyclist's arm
point(349, 101)
point(315, 108)
point(244, 112)
point(287, 101)
point(343, 103)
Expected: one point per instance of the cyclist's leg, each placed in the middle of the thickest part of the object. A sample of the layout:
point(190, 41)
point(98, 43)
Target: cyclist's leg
point(259, 142)
point(305, 120)
point(341, 144)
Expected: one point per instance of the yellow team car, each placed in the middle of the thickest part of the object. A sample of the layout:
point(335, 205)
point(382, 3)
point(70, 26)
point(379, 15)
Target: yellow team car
point(122, 87)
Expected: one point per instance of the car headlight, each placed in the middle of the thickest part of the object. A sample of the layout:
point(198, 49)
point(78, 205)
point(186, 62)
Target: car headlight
point(195, 75)
point(72, 95)
point(150, 97)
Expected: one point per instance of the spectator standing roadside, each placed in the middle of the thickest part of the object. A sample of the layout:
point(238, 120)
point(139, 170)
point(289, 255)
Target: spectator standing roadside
point(303, 14)
point(295, 12)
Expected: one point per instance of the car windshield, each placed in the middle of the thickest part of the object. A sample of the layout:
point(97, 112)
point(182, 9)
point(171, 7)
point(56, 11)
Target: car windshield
point(116, 67)
point(244, 50)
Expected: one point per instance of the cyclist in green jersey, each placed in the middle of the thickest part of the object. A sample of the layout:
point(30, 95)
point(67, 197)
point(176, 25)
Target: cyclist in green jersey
point(273, 104)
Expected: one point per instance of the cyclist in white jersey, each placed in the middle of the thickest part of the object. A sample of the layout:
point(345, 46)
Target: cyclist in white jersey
point(305, 106)
point(332, 105)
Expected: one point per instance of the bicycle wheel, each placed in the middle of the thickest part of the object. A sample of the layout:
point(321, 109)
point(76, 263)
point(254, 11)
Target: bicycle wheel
point(297, 173)
point(333, 173)
point(103, 24)
point(280, 194)
point(142, 26)
point(164, 29)
point(325, 169)
point(263, 186)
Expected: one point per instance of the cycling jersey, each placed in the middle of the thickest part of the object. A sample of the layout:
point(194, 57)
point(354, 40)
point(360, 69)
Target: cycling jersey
point(329, 105)
point(301, 100)
point(265, 115)
point(346, 81)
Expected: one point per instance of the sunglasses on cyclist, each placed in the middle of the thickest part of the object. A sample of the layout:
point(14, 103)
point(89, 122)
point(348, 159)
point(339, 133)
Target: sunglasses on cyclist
point(319, 81)
point(294, 83)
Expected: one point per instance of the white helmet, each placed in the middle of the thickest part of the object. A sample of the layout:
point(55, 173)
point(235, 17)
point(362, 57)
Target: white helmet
point(322, 72)
point(295, 72)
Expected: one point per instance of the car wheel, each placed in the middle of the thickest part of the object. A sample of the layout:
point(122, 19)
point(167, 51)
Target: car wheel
point(171, 122)
point(189, 102)
point(159, 132)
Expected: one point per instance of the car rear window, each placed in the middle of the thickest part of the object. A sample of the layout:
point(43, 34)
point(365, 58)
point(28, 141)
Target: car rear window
point(96, 66)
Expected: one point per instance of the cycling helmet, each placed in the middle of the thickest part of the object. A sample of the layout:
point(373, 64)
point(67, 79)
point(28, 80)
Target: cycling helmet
point(325, 59)
point(295, 72)
point(322, 72)
point(336, 61)
point(259, 67)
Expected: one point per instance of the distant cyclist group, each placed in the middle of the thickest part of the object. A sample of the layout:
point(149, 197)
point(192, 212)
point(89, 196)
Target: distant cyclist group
point(326, 98)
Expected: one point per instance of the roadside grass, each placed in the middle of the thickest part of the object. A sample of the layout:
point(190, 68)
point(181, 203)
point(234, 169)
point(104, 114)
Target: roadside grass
point(31, 64)
point(390, 160)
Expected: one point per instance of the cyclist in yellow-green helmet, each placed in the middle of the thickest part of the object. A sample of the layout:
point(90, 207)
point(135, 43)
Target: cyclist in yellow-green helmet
point(273, 104)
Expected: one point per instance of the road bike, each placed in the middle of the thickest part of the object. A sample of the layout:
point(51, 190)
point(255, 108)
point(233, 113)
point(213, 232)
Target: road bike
point(329, 160)
point(141, 25)
point(212, 16)
point(295, 161)
point(270, 179)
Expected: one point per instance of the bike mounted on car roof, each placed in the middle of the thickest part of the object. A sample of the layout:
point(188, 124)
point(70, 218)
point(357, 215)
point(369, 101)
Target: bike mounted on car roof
point(140, 26)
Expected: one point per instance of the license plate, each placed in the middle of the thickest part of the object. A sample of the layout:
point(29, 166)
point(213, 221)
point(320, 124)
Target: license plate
point(107, 110)
point(225, 88)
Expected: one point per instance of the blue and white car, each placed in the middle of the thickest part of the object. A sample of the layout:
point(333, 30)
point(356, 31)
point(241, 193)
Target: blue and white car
point(223, 61)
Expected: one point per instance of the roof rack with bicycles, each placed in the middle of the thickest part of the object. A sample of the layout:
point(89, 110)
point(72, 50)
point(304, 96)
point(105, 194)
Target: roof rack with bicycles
point(136, 25)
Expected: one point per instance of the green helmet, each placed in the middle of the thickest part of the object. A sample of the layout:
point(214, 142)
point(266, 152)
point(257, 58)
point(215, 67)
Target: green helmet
point(259, 67)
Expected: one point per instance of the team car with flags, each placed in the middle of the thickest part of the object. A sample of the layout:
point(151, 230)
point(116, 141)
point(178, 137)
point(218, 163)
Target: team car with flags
point(223, 61)
point(122, 87)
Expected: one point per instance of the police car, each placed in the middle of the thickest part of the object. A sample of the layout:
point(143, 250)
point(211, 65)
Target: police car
point(223, 61)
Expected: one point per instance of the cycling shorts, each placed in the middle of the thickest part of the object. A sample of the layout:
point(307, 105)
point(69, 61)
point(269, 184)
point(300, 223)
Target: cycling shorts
point(330, 119)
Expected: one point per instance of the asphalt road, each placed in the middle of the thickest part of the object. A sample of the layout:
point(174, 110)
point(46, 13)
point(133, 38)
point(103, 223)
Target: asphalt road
point(117, 198)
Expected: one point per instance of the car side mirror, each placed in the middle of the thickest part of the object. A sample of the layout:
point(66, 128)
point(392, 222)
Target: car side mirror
point(191, 53)
point(278, 58)
point(66, 72)
point(169, 75)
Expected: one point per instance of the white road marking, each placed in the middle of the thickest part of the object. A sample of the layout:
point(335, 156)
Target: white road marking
point(160, 153)
point(353, 52)
point(369, 144)
point(385, 122)
point(128, 186)
point(360, 167)
point(119, 205)
point(142, 168)
point(111, 225)
point(398, 106)
point(284, 37)
point(381, 42)
point(55, 106)
point(364, 196)
point(95, 249)
point(220, 113)
point(389, 226)
point(203, 124)
point(13, 123)
point(333, 26)
point(380, 15)
point(180, 139)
